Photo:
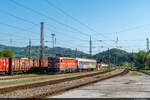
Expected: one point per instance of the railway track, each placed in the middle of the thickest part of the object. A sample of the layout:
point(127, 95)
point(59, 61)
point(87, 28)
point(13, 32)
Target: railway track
point(56, 91)
point(25, 76)
point(19, 77)
point(50, 82)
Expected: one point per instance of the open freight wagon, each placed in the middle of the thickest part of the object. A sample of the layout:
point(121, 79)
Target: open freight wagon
point(21, 65)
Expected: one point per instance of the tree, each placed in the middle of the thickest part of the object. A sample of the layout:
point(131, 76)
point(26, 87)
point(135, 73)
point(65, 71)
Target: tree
point(7, 53)
point(125, 64)
point(141, 59)
point(147, 61)
point(0, 54)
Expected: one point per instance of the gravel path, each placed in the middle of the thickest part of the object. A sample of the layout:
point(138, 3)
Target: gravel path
point(119, 87)
point(34, 91)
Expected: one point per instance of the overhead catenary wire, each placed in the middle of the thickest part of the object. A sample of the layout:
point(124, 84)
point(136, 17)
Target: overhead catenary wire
point(133, 28)
point(103, 41)
point(22, 19)
point(65, 13)
point(48, 17)
point(18, 28)
point(75, 19)
point(19, 18)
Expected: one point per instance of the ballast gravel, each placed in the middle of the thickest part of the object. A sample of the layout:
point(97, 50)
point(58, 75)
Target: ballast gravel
point(34, 91)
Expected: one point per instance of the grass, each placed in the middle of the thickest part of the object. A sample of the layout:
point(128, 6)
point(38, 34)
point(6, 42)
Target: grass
point(135, 74)
point(130, 81)
point(42, 78)
point(146, 71)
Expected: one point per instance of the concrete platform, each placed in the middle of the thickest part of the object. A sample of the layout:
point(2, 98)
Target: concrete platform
point(119, 87)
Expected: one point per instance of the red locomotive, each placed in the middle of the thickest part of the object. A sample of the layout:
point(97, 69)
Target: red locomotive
point(62, 64)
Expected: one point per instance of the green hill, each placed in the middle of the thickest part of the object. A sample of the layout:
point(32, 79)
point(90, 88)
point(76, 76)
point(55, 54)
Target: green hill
point(35, 52)
point(117, 56)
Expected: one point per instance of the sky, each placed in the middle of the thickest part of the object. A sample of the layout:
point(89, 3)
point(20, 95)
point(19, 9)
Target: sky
point(74, 21)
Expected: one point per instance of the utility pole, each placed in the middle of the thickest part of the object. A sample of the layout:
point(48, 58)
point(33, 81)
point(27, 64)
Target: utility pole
point(117, 40)
point(42, 44)
point(132, 61)
point(114, 59)
point(90, 47)
point(29, 50)
point(53, 40)
point(109, 58)
point(76, 53)
point(11, 42)
point(147, 44)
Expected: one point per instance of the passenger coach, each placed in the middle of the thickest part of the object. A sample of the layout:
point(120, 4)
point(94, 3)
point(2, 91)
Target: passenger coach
point(86, 64)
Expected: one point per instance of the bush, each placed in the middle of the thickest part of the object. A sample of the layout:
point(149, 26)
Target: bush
point(7, 53)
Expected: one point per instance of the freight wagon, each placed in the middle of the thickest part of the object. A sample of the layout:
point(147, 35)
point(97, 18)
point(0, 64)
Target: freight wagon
point(43, 68)
point(17, 65)
point(4, 65)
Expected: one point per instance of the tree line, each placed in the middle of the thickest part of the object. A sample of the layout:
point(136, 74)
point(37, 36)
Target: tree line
point(143, 60)
point(121, 57)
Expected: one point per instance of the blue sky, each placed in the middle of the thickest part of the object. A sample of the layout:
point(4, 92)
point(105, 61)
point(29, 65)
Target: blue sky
point(129, 18)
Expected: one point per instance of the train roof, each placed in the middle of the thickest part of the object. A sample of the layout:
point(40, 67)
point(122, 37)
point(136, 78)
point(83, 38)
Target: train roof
point(85, 59)
point(63, 57)
point(79, 59)
point(66, 58)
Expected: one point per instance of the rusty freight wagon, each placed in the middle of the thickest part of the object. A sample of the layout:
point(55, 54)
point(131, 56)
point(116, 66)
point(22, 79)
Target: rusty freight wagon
point(20, 65)
point(4, 65)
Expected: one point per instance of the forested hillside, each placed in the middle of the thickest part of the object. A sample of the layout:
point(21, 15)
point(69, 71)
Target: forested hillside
point(117, 56)
point(23, 51)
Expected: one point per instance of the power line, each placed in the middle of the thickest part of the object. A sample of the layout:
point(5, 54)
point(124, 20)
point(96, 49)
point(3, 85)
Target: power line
point(19, 18)
point(81, 23)
point(133, 28)
point(41, 14)
point(11, 26)
point(48, 17)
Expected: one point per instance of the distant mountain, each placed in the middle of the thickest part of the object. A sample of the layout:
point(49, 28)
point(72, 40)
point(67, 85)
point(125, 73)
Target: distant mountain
point(35, 52)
